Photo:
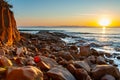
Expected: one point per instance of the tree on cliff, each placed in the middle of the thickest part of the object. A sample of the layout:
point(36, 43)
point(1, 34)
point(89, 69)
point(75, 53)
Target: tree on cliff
point(8, 30)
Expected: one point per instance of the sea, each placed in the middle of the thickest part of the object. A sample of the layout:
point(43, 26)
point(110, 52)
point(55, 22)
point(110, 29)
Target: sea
point(101, 39)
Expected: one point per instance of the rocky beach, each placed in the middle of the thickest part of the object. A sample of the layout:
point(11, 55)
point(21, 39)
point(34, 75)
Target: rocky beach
point(45, 56)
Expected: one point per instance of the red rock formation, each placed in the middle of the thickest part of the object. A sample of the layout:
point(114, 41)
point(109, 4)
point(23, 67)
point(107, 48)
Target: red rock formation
point(8, 30)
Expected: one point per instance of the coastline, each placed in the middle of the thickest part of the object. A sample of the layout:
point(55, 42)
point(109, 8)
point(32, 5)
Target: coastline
point(48, 52)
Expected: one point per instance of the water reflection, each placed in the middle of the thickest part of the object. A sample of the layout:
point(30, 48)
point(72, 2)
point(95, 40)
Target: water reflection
point(103, 30)
point(102, 37)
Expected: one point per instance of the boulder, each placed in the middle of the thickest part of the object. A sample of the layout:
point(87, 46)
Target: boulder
point(82, 64)
point(101, 70)
point(60, 73)
point(81, 74)
point(85, 50)
point(48, 61)
point(5, 62)
point(24, 73)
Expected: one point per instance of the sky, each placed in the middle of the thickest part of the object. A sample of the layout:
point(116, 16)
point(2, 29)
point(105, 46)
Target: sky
point(65, 12)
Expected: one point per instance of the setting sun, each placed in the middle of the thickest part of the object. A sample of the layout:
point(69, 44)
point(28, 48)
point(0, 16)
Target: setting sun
point(104, 22)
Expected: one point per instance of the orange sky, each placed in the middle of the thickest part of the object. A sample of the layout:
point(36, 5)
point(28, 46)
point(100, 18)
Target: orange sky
point(65, 12)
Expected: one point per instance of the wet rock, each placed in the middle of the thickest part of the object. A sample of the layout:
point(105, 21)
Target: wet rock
point(58, 34)
point(5, 62)
point(108, 77)
point(85, 50)
point(100, 60)
point(24, 73)
point(111, 61)
point(81, 74)
point(60, 73)
point(108, 55)
point(101, 70)
point(82, 64)
point(118, 57)
point(50, 62)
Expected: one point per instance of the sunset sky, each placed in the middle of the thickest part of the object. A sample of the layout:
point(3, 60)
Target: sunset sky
point(65, 12)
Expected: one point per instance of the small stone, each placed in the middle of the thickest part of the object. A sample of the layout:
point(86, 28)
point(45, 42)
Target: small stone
point(37, 59)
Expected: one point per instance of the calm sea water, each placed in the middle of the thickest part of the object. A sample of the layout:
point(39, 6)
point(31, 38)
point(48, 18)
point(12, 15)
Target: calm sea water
point(102, 39)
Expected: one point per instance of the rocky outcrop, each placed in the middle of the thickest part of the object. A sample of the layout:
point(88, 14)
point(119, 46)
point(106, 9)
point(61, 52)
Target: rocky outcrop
point(8, 31)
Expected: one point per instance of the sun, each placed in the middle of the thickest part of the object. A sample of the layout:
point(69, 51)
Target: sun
point(104, 22)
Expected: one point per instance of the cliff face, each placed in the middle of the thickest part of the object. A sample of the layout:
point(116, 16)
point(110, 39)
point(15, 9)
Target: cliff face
point(8, 29)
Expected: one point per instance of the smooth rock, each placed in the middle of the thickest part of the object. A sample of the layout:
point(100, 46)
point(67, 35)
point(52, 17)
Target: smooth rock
point(82, 64)
point(60, 73)
point(81, 74)
point(50, 62)
point(24, 73)
point(108, 77)
point(101, 70)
